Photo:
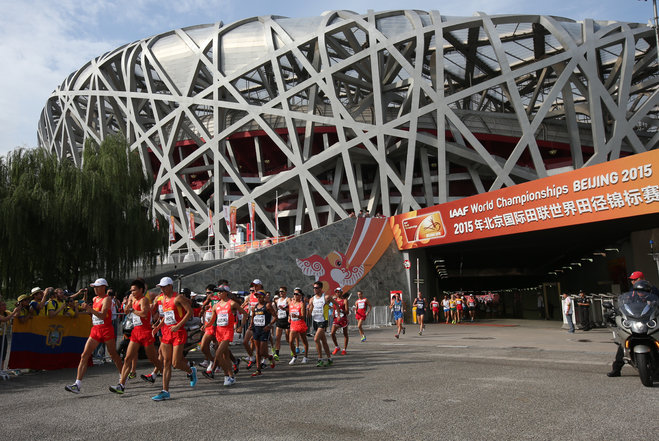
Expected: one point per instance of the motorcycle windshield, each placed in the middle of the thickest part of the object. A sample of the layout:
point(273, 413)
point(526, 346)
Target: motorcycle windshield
point(638, 310)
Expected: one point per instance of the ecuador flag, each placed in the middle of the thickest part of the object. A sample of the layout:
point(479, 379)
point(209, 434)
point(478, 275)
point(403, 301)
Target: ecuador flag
point(49, 343)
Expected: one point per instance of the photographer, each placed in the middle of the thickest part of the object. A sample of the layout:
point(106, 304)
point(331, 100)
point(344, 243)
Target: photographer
point(62, 304)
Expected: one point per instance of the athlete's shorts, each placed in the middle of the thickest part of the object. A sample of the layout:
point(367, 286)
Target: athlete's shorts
point(360, 316)
point(435, 310)
point(260, 334)
point(173, 338)
point(453, 309)
point(209, 330)
point(282, 323)
point(398, 315)
point(459, 307)
point(472, 308)
point(298, 326)
point(340, 322)
point(445, 310)
point(142, 336)
point(420, 312)
point(319, 325)
point(223, 333)
point(102, 333)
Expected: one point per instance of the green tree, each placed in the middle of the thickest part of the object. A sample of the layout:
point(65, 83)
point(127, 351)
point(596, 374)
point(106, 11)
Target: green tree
point(59, 223)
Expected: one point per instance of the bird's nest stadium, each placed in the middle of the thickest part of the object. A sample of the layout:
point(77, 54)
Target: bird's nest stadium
point(383, 111)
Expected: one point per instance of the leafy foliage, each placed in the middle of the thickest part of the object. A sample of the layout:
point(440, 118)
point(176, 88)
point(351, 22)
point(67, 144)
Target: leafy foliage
point(59, 223)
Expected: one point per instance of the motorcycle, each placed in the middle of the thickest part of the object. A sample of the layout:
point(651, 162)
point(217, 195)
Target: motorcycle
point(638, 333)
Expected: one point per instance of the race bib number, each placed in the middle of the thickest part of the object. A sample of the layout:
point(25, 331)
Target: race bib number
point(160, 311)
point(137, 320)
point(208, 316)
point(295, 316)
point(170, 318)
point(317, 314)
point(281, 314)
point(97, 321)
point(222, 319)
point(362, 306)
point(259, 320)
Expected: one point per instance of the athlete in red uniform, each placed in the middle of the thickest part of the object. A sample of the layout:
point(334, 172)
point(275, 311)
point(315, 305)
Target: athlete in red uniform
point(296, 315)
point(434, 304)
point(248, 305)
point(141, 335)
point(340, 321)
point(223, 316)
point(102, 332)
point(362, 308)
point(208, 325)
point(177, 311)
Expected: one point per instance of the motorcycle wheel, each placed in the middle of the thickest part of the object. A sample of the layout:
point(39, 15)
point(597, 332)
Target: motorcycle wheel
point(644, 369)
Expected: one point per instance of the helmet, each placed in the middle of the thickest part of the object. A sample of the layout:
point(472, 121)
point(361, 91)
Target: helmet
point(642, 285)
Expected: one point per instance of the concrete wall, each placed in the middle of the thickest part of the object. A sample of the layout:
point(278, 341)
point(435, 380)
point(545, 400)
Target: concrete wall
point(276, 265)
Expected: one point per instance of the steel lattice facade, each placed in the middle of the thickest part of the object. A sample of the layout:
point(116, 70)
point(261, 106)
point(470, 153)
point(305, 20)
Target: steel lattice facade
point(385, 111)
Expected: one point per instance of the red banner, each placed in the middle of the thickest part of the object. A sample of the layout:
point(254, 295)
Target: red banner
point(172, 229)
point(616, 189)
point(233, 219)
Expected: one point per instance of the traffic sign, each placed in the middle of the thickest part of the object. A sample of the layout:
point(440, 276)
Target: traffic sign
point(406, 264)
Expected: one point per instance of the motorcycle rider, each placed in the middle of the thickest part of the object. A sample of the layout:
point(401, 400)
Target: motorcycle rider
point(640, 293)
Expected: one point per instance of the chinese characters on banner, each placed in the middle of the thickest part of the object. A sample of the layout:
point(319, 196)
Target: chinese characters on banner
point(616, 189)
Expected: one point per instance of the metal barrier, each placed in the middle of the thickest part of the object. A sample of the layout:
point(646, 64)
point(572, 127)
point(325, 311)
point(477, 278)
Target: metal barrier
point(5, 349)
point(379, 316)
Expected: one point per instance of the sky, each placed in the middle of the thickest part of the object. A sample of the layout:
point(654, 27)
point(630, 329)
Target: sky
point(43, 41)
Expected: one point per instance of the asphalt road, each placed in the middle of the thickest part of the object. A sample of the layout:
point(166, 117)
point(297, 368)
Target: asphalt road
point(506, 380)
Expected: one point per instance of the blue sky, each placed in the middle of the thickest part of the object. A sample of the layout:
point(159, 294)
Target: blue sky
point(43, 41)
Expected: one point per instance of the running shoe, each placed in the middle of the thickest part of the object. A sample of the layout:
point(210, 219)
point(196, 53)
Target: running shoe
point(292, 354)
point(292, 360)
point(363, 338)
point(229, 381)
point(396, 336)
point(208, 374)
point(148, 378)
point(305, 360)
point(132, 375)
point(276, 357)
point(236, 367)
point(204, 364)
point(335, 351)
point(193, 377)
point(329, 362)
point(343, 352)
point(320, 363)
point(250, 363)
point(73, 388)
point(118, 389)
point(162, 396)
point(262, 365)
point(420, 332)
point(256, 374)
point(403, 330)
point(245, 359)
point(297, 350)
point(272, 364)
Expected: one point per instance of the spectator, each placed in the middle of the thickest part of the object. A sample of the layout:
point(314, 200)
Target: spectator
point(568, 310)
point(57, 303)
point(38, 302)
point(541, 306)
point(23, 303)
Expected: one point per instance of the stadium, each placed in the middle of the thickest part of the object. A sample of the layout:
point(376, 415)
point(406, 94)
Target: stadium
point(314, 119)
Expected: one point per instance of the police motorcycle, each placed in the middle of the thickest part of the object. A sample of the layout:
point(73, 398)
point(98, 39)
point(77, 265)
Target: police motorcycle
point(637, 330)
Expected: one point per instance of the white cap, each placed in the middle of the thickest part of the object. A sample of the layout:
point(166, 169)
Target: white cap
point(257, 282)
point(35, 290)
point(165, 281)
point(100, 282)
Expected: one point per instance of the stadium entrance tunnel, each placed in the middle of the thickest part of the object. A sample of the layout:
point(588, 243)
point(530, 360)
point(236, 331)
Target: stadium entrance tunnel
point(596, 258)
